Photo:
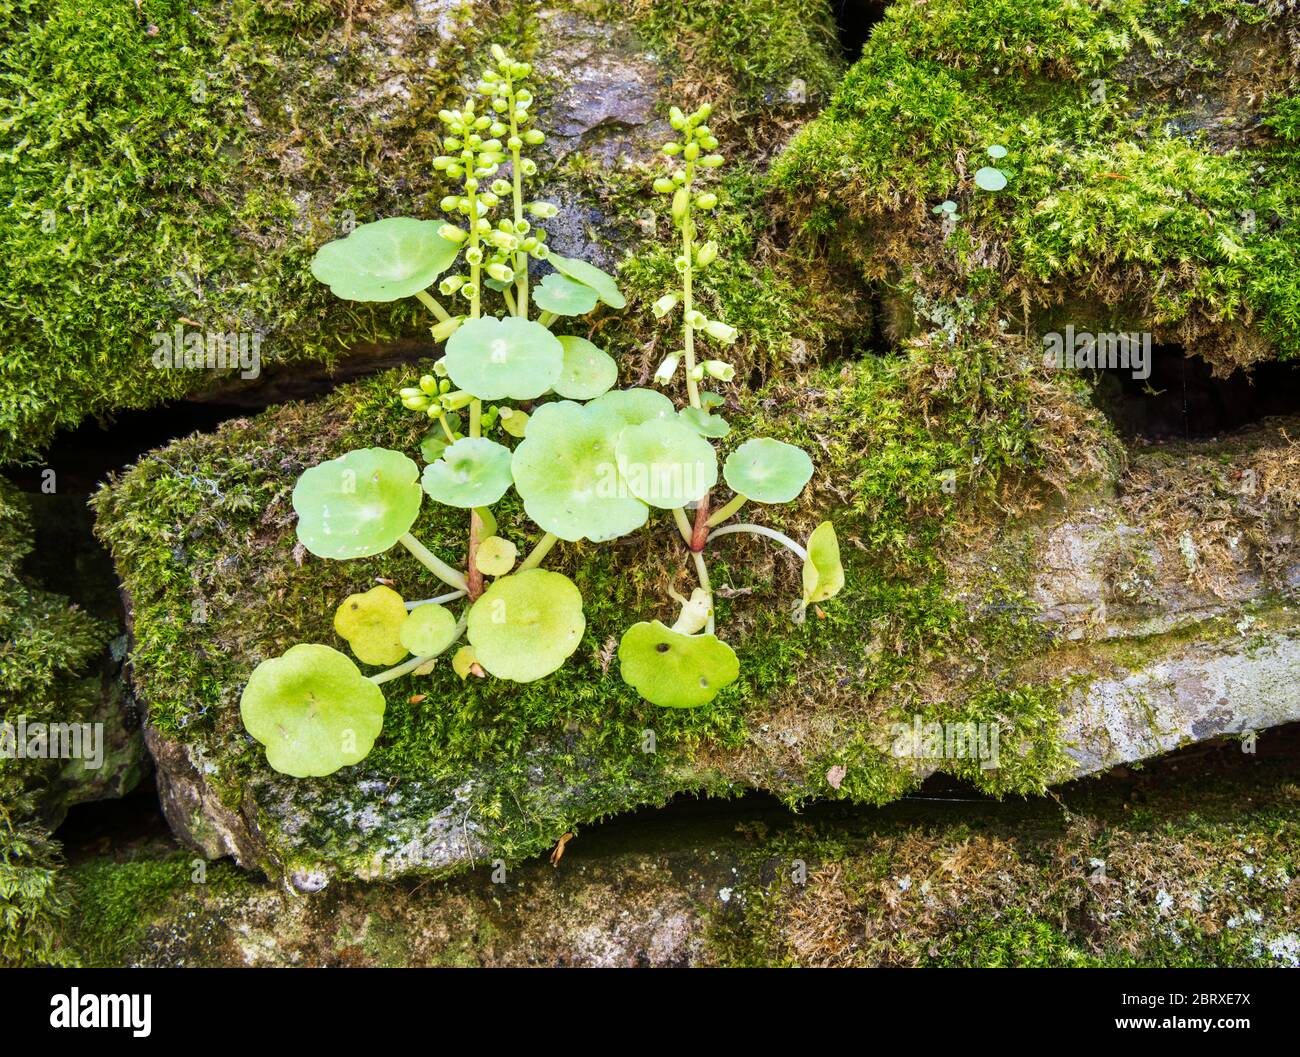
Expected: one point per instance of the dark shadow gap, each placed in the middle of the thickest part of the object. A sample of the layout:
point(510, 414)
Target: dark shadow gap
point(854, 20)
point(1182, 400)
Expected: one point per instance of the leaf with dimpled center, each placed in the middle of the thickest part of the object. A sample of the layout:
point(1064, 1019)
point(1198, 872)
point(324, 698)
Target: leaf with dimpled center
point(358, 504)
point(588, 274)
point(369, 622)
point(666, 463)
point(428, 630)
point(587, 371)
point(526, 626)
point(313, 710)
point(474, 471)
point(567, 473)
point(495, 556)
point(768, 471)
point(674, 670)
point(823, 575)
point(631, 407)
point(384, 261)
point(500, 359)
point(563, 296)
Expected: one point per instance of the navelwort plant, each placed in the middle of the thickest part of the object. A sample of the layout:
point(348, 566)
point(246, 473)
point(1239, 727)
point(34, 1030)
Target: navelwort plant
point(590, 465)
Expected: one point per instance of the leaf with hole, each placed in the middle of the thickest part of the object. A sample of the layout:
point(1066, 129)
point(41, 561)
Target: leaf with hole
point(588, 274)
point(674, 670)
point(384, 261)
point(472, 472)
point(499, 359)
point(823, 575)
point(666, 463)
point(358, 504)
point(768, 471)
point(566, 471)
point(525, 626)
point(313, 710)
point(370, 622)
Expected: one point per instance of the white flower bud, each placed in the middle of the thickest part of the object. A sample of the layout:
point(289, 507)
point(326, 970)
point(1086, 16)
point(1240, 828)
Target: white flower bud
point(723, 372)
point(706, 254)
point(720, 331)
point(664, 305)
point(452, 233)
point(667, 369)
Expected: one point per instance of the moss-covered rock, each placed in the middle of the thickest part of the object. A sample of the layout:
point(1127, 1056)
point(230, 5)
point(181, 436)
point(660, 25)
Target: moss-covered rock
point(1148, 147)
point(962, 635)
point(57, 667)
point(176, 165)
point(1144, 869)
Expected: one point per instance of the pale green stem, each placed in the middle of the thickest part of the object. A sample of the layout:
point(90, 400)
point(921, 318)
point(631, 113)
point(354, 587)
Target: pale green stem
point(432, 305)
point(546, 319)
point(441, 600)
point(703, 571)
point(688, 251)
point(406, 667)
point(683, 525)
point(722, 513)
point(539, 551)
point(510, 301)
point(444, 572)
point(762, 530)
point(446, 427)
point(521, 258)
point(475, 417)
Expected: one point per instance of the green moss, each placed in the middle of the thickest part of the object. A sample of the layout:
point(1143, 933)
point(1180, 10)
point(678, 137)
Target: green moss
point(117, 901)
point(33, 893)
point(1112, 195)
point(176, 165)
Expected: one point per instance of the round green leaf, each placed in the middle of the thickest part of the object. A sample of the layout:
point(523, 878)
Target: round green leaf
point(567, 473)
point(499, 359)
point(990, 179)
point(472, 472)
point(997, 151)
point(631, 407)
point(495, 556)
point(706, 425)
point(768, 471)
point(525, 626)
point(666, 463)
point(358, 504)
point(370, 622)
point(603, 283)
point(823, 575)
point(313, 710)
point(564, 296)
point(587, 371)
point(384, 261)
point(428, 630)
point(674, 670)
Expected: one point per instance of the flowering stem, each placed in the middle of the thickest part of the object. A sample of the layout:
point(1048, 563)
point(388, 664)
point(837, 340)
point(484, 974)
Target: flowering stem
point(688, 252)
point(521, 257)
point(722, 513)
point(431, 303)
point(763, 530)
point(444, 572)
